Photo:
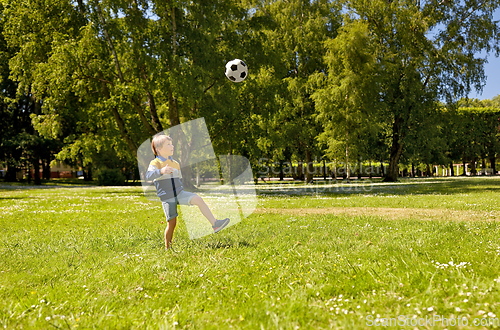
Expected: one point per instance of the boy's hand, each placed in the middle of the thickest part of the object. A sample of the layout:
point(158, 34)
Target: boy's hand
point(167, 170)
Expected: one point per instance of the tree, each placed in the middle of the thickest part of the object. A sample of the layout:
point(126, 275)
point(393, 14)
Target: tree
point(476, 124)
point(118, 72)
point(345, 99)
point(297, 38)
point(20, 146)
point(427, 50)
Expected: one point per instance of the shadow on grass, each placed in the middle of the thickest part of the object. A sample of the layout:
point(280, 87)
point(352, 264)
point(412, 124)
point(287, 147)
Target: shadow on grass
point(227, 244)
point(406, 186)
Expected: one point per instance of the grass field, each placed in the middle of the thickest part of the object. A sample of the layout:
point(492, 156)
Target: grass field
point(310, 257)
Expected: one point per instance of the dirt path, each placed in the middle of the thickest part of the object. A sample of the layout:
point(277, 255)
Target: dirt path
point(392, 213)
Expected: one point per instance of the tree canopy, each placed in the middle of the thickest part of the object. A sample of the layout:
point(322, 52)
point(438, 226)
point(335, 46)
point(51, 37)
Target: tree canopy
point(348, 80)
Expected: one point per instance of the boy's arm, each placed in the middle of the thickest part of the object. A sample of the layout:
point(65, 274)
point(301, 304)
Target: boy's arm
point(154, 173)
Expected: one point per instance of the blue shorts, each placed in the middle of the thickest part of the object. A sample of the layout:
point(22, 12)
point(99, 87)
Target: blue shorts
point(170, 205)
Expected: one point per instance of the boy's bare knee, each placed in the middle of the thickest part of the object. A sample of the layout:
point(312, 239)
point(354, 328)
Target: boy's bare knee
point(196, 200)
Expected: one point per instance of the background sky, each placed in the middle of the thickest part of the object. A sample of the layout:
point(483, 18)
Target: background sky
point(492, 71)
point(492, 88)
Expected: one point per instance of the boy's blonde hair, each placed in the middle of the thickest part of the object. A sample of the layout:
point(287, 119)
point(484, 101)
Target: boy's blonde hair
point(158, 141)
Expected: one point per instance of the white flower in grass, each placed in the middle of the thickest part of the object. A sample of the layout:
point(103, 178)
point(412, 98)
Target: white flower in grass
point(430, 309)
point(47, 318)
point(492, 315)
point(457, 309)
point(481, 312)
point(466, 300)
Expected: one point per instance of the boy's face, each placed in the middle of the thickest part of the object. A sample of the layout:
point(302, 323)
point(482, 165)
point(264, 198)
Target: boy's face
point(167, 149)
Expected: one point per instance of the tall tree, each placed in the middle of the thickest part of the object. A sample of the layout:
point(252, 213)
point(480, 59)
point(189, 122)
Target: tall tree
point(301, 28)
point(121, 71)
point(427, 50)
point(344, 99)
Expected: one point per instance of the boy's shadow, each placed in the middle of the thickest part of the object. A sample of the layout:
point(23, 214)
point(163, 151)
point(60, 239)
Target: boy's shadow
point(228, 244)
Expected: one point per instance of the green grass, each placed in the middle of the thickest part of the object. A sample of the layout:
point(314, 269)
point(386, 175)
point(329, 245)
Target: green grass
point(93, 258)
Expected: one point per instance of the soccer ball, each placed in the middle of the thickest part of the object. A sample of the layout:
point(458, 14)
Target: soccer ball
point(236, 70)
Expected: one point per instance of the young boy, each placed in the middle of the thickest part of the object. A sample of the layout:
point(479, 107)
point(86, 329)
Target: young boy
point(166, 175)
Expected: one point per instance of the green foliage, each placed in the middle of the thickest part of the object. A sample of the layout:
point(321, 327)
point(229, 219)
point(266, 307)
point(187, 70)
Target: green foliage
point(325, 77)
point(344, 100)
point(425, 51)
point(476, 131)
point(288, 131)
point(110, 177)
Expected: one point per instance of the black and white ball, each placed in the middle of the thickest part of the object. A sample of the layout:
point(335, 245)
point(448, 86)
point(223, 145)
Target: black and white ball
point(236, 70)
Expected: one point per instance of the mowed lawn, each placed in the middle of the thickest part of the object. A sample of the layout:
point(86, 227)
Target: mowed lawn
point(310, 257)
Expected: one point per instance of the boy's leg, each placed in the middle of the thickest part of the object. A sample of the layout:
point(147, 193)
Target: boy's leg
point(217, 225)
point(198, 201)
point(169, 232)
point(170, 209)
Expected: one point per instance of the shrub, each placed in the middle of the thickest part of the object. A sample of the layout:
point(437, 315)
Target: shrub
point(110, 177)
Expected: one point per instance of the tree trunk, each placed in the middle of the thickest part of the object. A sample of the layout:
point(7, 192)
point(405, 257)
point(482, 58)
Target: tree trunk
point(36, 166)
point(334, 171)
point(87, 174)
point(493, 165)
point(143, 118)
point(396, 151)
point(473, 166)
point(173, 112)
point(154, 114)
point(464, 167)
point(300, 171)
point(46, 169)
point(452, 172)
point(347, 169)
point(110, 43)
point(309, 167)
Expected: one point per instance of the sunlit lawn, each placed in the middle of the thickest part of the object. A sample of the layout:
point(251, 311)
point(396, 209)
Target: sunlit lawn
point(93, 258)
